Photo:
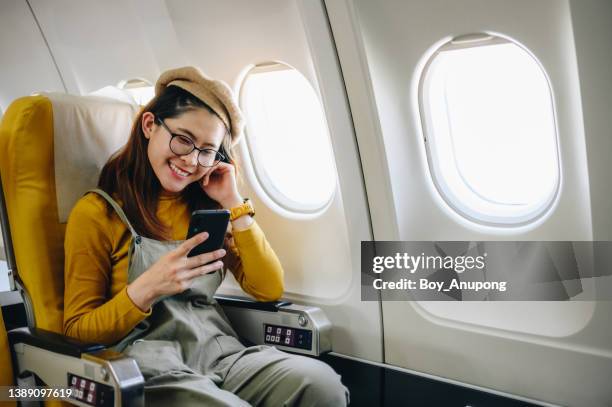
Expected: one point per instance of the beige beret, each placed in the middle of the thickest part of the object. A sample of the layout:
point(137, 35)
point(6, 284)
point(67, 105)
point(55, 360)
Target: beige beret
point(216, 94)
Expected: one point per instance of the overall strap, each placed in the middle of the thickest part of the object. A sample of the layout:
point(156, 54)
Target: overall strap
point(117, 209)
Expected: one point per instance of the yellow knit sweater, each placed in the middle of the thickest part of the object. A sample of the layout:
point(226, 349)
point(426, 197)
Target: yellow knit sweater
point(96, 305)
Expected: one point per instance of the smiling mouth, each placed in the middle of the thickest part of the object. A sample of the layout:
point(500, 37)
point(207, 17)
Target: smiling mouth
point(178, 171)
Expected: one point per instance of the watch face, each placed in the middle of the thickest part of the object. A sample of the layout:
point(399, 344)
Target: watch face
point(249, 207)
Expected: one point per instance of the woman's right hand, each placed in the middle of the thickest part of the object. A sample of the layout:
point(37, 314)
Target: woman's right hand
point(173, 273)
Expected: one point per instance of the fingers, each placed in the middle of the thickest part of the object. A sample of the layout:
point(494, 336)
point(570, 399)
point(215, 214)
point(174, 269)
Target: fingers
point(196, 261)
point(205, 269)
point(205, 179)
point(225, 166)
point(189, 244)
point(222, 168)
point(219, 171)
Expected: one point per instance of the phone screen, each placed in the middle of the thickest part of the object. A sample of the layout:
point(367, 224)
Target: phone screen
point(214, 222)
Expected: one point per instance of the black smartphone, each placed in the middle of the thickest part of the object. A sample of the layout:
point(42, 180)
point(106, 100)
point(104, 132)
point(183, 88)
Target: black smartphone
point(225, 159)
point(213, 221)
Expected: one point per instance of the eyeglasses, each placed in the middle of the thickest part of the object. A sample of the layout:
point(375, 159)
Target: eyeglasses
point(183, 145)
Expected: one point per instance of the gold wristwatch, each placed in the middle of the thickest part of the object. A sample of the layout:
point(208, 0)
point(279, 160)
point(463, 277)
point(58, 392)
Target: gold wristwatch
point(245, 209)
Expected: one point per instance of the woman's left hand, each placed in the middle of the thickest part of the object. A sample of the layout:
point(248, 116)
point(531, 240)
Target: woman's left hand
point(220, 185)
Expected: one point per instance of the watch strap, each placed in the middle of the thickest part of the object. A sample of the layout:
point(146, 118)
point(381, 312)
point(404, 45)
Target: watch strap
point(246, 208)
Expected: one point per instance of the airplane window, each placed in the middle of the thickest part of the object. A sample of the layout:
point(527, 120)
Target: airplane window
point(140, 89)
point(142, 95)
point(490, 133)
point(288, 138)
point(135, 91)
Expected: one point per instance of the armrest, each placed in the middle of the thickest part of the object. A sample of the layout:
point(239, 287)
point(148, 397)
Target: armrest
point(51, 341)
point(245, 302)
point(55, 360)
point(291, 327)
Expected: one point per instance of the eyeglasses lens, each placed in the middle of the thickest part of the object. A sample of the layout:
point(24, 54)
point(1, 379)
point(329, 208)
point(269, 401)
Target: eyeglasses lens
point(183, 145)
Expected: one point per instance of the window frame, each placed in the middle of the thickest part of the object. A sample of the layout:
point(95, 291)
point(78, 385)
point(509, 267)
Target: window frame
point(453, 200)
point(267, 186)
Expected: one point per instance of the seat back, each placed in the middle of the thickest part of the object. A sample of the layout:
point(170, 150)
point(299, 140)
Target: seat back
point(28, 171)
point(28, 181)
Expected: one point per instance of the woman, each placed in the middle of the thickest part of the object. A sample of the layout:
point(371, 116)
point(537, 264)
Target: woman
point(130, 283)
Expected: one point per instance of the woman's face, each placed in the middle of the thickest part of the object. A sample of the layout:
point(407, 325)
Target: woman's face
point(176, 172)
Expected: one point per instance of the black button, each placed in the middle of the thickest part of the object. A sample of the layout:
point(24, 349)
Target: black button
point(137, 239)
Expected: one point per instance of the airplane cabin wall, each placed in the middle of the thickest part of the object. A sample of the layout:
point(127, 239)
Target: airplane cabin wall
point(541, 350)
point(397, 37)
point(593, 36)
point(26, 65)
point(96, 44)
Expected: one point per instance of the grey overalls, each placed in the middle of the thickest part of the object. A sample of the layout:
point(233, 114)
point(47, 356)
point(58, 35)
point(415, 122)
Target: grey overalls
point(189, 355)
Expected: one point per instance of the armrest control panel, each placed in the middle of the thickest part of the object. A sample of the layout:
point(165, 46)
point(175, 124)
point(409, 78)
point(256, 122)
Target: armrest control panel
point(295, 338)
point(289, 327)
point(90, 392)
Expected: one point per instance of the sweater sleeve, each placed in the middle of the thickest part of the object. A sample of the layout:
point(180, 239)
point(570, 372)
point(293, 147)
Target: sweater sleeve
point(256, 267)
point(89, 314)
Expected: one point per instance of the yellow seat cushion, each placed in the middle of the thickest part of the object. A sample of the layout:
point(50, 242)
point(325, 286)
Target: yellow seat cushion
point(28, 178)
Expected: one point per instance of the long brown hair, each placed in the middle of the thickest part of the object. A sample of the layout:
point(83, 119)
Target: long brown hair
point(128, 174)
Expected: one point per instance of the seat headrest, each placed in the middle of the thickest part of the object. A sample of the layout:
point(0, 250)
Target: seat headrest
point(87, 131)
